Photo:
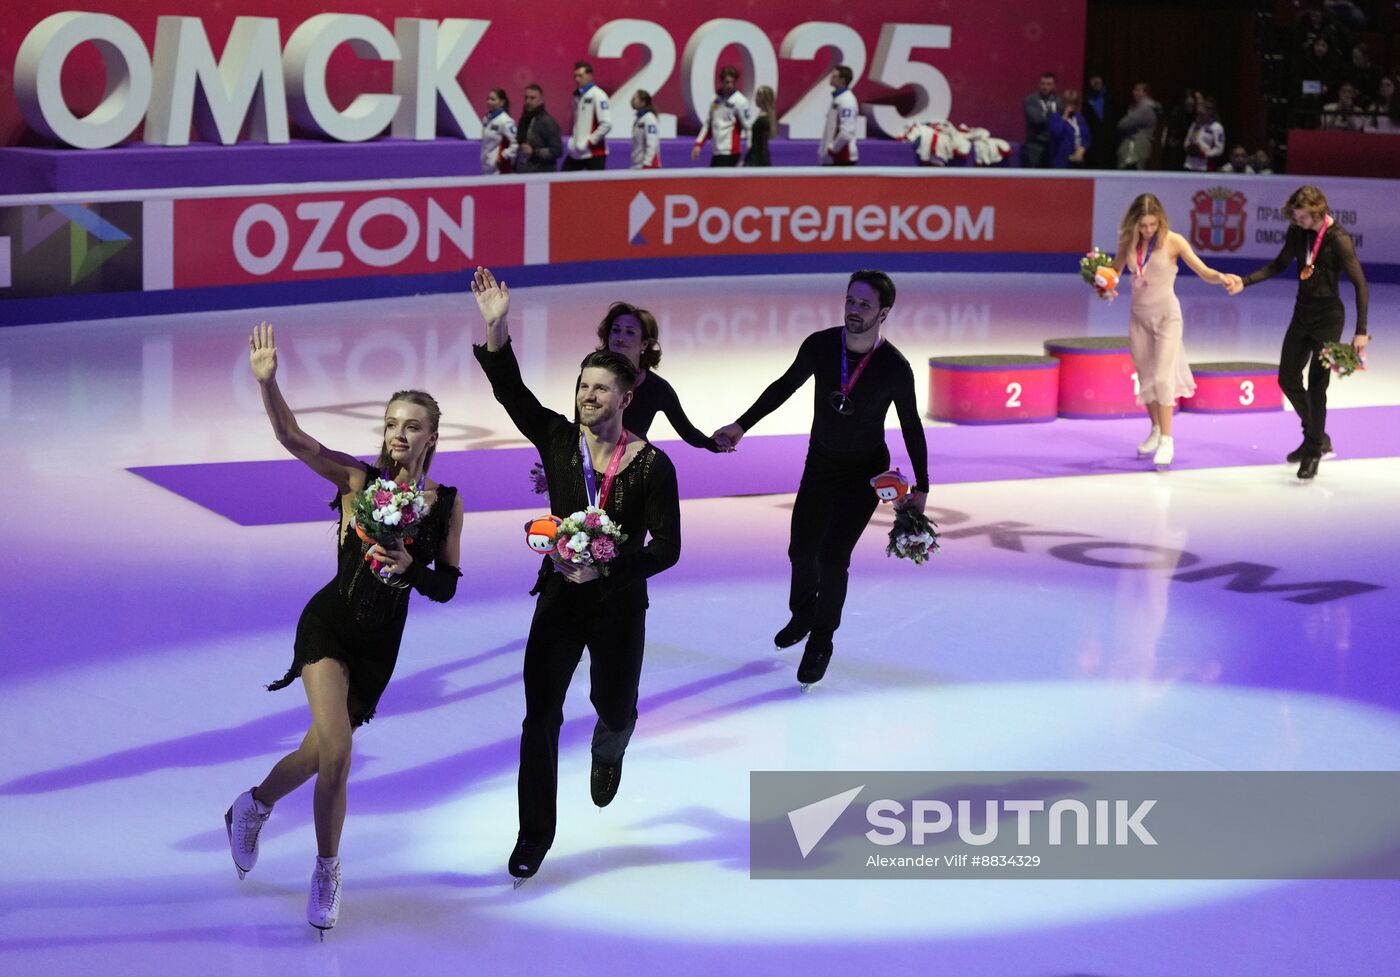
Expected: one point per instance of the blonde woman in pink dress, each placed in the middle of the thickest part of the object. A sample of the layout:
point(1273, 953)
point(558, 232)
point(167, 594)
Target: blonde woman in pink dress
point(1150, 250)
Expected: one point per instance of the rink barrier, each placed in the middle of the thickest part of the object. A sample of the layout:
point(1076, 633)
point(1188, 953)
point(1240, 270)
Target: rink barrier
point(181, 250)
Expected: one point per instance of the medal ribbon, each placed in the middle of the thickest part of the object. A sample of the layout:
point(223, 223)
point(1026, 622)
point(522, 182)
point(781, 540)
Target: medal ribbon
point(847, 385)
point(590, 479)
point(1141, 261)
point(1317, 245)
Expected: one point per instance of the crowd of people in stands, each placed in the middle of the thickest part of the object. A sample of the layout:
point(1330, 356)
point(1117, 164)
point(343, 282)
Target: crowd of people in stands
point(1067, 130)
point(1334, 80)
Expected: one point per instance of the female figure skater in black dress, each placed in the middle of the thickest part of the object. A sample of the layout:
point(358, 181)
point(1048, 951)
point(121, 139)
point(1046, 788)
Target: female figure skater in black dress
point(633, 333)
point(347, 639)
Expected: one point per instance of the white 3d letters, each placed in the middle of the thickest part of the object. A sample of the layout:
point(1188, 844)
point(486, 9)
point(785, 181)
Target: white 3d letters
point(39, 66)
point(304, 64)
point(425, 77)
point(192, 88)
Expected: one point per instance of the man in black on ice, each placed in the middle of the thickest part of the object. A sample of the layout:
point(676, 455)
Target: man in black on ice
point(858, 376)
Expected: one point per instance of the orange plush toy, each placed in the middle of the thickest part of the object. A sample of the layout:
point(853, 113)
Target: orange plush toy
point(1106, 281)
point(541, 533)
point(890, 486)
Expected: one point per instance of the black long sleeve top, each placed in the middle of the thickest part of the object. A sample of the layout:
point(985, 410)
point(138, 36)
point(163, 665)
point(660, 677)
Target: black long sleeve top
point(644, 500)
point(1336, 256)
point(758, 142)
point(888, 379)
point(655, 396)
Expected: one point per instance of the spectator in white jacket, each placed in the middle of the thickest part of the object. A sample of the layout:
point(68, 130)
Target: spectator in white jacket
point(728, 123)
point(1205, 139)
point(588, 143)
point(646, 138)
point(838, 146)
point(498, 143)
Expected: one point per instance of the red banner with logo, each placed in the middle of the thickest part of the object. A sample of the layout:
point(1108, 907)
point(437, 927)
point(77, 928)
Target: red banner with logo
point(278, 238)
point(697, 216)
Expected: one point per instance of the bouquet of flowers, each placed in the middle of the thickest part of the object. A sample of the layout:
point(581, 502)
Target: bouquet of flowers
point(386, 511)
point(537, 479)
point(589, 539)
point(1096, 268)
point(1342, 358)
point(913, 537)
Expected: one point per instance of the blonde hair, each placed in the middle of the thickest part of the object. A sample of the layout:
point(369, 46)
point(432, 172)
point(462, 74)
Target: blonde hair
point(766, 101)
point(1308, 198)
point(1143, 205)
point(421, 399)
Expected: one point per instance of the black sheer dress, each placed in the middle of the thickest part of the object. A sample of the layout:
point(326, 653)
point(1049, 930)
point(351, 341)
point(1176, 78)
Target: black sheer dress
point(652, 396)
point(357, 619)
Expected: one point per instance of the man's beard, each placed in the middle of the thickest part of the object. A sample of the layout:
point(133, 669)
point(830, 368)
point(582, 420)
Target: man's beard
point(859, 326)
point(601, 417)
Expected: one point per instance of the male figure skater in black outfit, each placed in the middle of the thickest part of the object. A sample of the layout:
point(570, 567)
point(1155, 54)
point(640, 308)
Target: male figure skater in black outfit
point(1323, 251)
point(857, 378)
point(635, 484)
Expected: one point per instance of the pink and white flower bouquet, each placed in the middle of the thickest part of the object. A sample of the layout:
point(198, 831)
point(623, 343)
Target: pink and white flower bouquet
point(589, 539)
point(386, 511)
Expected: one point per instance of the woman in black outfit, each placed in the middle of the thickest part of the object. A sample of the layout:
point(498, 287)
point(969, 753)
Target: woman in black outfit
point(633, 333)
point(1324, 252)
point(762, 129)
point(578, 608)
point(347, 639)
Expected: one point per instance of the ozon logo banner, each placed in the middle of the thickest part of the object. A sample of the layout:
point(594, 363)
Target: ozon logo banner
point(686, 217)
point(249, 240)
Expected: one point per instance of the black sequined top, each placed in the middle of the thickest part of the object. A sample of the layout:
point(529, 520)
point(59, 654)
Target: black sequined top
point(370, 600)
point(644, 500)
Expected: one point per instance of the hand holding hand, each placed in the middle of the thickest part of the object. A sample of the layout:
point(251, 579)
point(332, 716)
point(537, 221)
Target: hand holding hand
point(262, 353)
point(728, 437)
point(1234, 284)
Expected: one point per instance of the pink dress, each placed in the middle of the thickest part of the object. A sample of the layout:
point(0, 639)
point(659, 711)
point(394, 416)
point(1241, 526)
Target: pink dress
point(1154, 332)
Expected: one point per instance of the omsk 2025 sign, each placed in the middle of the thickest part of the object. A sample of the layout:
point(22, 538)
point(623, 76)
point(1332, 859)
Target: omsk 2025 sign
point(258, 82)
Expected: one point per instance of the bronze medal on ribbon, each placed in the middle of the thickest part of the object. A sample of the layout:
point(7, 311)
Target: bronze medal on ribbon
point(1305, 273)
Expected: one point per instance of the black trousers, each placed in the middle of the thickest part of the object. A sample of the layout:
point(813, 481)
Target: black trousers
point(559, 632)
point(1314, 322)
point(834, 505)
point(587, 163)
point(724, 159)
